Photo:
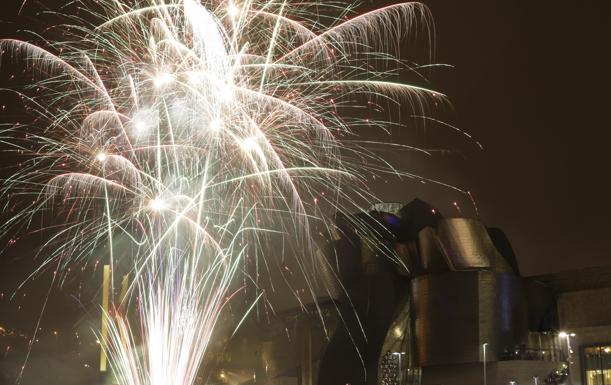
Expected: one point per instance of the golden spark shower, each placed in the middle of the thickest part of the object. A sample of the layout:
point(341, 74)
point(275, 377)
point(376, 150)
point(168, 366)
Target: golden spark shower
point(184, 140)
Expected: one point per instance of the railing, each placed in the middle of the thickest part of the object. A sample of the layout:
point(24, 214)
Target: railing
point(539, 346)
point(534, 354)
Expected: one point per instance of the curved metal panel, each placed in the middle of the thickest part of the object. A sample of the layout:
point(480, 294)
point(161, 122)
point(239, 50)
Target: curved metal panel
point(455, 312)
point(396, 364)
point(431, 258)
point(445, 316)
point(465, 243)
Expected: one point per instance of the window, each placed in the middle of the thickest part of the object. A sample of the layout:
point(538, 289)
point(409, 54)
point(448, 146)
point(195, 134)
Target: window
point(597, 364)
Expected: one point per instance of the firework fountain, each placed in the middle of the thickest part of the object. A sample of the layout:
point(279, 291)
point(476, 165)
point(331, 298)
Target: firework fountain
point(198, 132)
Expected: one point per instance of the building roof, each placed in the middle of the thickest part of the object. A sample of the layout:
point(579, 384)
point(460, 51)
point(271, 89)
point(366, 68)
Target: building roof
point(575, 280)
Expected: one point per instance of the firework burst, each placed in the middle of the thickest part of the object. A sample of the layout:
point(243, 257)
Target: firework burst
point(194, 133)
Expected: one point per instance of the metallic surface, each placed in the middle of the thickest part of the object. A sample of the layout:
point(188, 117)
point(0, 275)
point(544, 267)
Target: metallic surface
point(399, 347)
point(413, 309)
point(431, 258)
point(282, 350)
point(456, 312)
point(465, 244)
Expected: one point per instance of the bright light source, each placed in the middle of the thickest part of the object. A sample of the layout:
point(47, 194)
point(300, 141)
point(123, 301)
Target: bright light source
point(249, 144)
point(226, 93)
point(101, 156)
point(194, 77)
point(233, 10)
point(162, 79)
point(157, 204)
point(140, 126)
point(144, 119)
point(216, 125)
point(563, 334)
point(398, 332)
point(572, 334)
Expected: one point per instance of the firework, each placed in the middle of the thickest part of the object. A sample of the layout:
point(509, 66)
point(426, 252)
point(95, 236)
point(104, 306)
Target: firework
point(181, 137)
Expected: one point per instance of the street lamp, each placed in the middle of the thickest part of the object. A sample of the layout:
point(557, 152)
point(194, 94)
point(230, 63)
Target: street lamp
point(484, 357)
point(567, 336)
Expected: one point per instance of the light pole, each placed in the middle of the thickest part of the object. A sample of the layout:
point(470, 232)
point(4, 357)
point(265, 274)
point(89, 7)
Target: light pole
point(567, 337)
point(484, 357)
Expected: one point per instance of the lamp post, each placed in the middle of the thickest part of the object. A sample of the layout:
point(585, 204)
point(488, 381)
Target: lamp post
point(567, 337)
point(484, 357)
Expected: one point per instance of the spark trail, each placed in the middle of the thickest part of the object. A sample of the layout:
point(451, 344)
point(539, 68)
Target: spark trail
point(195, 132)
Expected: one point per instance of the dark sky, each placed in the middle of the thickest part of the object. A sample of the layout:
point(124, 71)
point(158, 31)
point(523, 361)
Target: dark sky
point(530, 82)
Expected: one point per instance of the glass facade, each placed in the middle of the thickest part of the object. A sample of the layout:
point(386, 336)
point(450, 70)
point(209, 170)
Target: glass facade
point(597, 364)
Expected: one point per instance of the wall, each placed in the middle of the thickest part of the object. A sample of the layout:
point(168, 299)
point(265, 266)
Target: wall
point(456, 312)
point(587, 313)
point(584, 308)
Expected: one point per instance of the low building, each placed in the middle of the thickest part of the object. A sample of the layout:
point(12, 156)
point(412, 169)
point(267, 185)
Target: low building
point(584, 317)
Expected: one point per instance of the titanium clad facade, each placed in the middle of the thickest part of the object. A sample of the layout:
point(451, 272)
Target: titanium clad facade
point(456, 312)
point(465, 243)
point(445, 317)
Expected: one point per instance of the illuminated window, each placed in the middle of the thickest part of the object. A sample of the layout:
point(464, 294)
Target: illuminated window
point(597, 364)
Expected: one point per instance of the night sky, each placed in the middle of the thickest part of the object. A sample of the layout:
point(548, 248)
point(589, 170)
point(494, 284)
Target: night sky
point(529, 80)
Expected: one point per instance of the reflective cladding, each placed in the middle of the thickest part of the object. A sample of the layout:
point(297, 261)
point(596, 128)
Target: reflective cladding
point(397, 362)
point(454, 312)
point(465, 243)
